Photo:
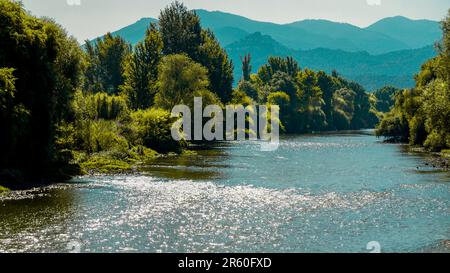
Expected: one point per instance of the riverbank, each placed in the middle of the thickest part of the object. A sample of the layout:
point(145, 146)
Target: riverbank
point(107, 163)
point(132, 162)
point(435, 160)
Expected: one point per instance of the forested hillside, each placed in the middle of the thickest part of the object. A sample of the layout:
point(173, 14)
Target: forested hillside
point(421, 115)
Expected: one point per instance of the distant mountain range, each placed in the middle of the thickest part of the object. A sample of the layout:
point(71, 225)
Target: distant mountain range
point(389, 52)
point(372, 71)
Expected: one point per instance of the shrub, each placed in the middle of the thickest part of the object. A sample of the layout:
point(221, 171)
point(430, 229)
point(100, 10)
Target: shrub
point(152, 128)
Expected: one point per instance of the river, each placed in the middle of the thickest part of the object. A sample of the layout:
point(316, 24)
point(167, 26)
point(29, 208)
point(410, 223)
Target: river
point(316, 193)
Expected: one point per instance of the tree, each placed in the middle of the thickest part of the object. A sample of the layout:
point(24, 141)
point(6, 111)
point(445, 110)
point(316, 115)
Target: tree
point(248, 88)
point(181, 33)
point(141, 70)
point(343, 103)
point(327, 84)
point(13, 116)
point(106, 60)
point(47, 67)
point(284, 102)
point(444, 48)
point(246, 67)
point(220, 67)
point(180, 30)
point(179, 80)
point(311, 102)
point(277, 64)
point(385, 98)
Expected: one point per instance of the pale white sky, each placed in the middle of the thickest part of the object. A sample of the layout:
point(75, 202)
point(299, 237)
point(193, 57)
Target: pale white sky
point(87, 19)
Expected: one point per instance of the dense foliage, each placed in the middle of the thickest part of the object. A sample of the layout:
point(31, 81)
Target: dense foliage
point(309, 101)
point(421, 115)
point(105, 64)
point(141, 70)
point(386, 98)
point(106, 106)
point(40, 69)
point(182, 34)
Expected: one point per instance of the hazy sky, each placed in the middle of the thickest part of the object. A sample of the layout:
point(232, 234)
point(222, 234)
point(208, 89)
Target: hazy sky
point(91, 18)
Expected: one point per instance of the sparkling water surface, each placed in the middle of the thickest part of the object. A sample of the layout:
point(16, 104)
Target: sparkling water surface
point(316, 193)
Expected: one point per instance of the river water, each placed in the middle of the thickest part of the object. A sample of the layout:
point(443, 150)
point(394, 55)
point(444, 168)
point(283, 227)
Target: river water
point(316, 193)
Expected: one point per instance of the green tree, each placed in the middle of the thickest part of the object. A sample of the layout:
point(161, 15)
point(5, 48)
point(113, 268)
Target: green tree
point(444, 49)
point(249, 89)
point(141, 70)
point(385, 98)
point(181, 33)
point(328, 86)
point(180, 30)
point(246, 67)
point(284, 102)
point(106, 60)
point(311, 101)
point(343, 108)
point(277, 64)
point(180, 79)
point(47, 67)
point(436, 109)
point(420, 115)
point(220, 67)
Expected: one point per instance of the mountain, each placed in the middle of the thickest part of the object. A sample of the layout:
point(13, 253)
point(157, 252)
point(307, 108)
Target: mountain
point(387, 35)
point(414, 33)
point(288, 36)
point(388, 52)
point(390, 34)
point(351, 38)
point(135, 32)
point(228, 35)
point(372, 71)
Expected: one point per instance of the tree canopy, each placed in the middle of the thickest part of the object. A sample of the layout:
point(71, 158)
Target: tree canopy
point(421, 115)
point(40, 69)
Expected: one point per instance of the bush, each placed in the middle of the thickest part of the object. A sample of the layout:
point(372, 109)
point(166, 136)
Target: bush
point(152, 128)
point(436, 141)
point(110, 106)
point(240, 98)
point(394, 128)
point(106, 135)
point(105, 164)
point(279, 98)
point(249, 89)
point(99, 106)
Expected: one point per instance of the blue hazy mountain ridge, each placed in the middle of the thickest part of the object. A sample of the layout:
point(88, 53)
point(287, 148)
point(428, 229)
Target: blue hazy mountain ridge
point(386, 35)
point(135, 32)
point(383, 36)
point(415, 33)
point(372, 71)
point(350, 38)
point(308, 34)
point(389, 52)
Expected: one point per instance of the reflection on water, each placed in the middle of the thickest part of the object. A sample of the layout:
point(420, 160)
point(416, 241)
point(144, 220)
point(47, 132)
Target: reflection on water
point(25, 212)
point(203, 165)
point(317, 193)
